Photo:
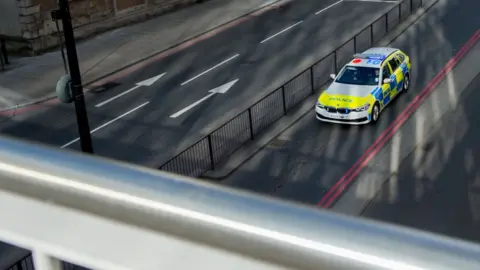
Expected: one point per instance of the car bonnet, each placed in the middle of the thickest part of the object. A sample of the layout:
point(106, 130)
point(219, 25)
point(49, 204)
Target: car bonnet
point(346, 95)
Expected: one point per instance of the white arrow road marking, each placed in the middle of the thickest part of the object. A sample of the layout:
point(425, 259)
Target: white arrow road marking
point(108, 123)
point(147, 82)
point(208, 70)
point(177, 114)
point(219, 90)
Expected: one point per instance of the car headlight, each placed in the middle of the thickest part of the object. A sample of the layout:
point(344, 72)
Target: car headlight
point(362, 108)
point(319, 105)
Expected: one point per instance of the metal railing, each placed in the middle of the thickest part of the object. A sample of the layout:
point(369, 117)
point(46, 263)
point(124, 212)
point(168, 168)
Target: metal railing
point(228, 138)
point(26, 263)
point(66, 206)
point(3, 53)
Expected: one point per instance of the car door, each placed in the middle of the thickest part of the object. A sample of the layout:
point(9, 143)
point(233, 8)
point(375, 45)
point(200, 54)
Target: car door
point(396, 77)
point(403, 62)
point(386, 87)
point(400, 72)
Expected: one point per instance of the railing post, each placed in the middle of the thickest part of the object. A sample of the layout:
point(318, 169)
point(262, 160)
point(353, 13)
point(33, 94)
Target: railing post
point(355, 44)
point(210, 149)
point(335, 61)
point(400, 12)
point(250, 120)
point(312, 79)
point(2, 64)
point(371, 34)
point(4, 50)
point(19, 265)
point(386, 23)
point(284, 100)
point(43, 261)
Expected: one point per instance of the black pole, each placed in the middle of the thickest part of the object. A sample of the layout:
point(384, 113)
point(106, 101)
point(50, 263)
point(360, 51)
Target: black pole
point(60, 41)
point(76, 85)
point(4, 50)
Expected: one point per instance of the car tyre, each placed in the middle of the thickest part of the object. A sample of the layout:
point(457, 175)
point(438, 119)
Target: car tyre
point(406, 83)
point(375, 113)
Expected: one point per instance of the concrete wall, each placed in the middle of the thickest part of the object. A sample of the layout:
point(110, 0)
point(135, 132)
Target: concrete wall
point(9, 24)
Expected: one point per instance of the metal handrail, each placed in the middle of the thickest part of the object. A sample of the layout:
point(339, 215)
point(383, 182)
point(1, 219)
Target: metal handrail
point(92, 211)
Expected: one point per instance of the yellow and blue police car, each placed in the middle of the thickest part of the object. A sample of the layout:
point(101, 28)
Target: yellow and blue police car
point(365, 86)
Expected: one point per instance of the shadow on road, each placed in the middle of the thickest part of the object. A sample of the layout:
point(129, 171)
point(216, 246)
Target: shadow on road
point(437, 186)
point(305, 161)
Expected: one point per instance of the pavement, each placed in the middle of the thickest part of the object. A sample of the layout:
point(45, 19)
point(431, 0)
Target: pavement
point(306, 162)
point(30, 79)
point(156, 120)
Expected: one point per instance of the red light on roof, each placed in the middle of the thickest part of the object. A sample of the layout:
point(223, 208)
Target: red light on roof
point(356, 61)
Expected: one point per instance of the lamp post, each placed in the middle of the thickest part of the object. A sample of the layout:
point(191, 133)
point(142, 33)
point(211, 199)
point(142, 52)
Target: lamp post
point(74, 88)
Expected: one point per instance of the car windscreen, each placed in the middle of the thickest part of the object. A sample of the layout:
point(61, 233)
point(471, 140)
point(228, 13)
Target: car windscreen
point(359, 75)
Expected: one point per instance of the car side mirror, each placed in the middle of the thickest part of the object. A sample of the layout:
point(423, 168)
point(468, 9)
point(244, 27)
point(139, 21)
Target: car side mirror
point(387, 81)
point(332, 76)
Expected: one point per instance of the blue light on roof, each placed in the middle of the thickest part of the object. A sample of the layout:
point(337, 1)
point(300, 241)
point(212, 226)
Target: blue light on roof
point(372, 56)
point(380, 57)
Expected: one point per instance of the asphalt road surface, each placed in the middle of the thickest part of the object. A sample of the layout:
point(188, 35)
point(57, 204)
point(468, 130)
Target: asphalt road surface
point(151, 123)
point(441, 190)
point(304, 162)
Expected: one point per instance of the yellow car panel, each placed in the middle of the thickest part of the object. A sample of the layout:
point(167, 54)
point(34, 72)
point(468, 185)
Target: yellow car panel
point(356, 100)
point(343, 101)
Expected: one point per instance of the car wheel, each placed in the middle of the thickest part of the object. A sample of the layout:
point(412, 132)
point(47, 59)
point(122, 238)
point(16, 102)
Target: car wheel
point(406, 83)
point(375, 113)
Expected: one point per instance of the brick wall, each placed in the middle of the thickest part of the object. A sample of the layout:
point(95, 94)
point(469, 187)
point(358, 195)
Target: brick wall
point(89, 17)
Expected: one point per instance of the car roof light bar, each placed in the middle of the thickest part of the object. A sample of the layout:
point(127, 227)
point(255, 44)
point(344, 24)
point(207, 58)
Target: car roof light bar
point(370, 56)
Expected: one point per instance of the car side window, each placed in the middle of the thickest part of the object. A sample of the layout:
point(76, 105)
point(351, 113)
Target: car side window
point(394, 64)
point(385, 73)
point(398, 61)
point(400, 57)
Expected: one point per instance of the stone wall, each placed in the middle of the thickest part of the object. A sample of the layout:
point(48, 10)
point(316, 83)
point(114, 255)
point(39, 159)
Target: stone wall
point(9, 19)
point(89, 17)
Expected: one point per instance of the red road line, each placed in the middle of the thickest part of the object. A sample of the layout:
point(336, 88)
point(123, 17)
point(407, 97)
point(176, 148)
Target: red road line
point(33, 107)
point(353, 172)
point(387, 130)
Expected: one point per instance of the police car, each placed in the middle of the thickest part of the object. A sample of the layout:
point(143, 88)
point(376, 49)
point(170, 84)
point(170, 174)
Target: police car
point(364, 87)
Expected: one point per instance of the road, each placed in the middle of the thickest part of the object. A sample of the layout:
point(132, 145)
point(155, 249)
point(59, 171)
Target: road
point(303, 163)
point(149, 124)
point(441, 190)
